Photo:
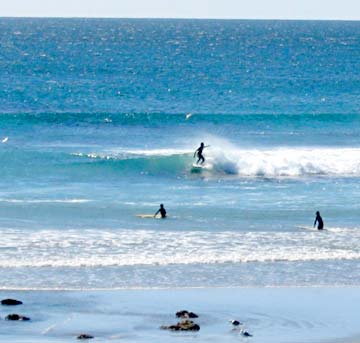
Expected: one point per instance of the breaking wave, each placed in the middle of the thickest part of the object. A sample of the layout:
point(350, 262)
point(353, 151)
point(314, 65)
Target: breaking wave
point(124, 247)
point(269, 163)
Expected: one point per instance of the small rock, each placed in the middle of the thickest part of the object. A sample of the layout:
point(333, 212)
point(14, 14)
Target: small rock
point(16, 317)
point(185, 325)
point(11, 302)
point(235, 322)
point(186, 314)
point(245, 333)
point(84, 336)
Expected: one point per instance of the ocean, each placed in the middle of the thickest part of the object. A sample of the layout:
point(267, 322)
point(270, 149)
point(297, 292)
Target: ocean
point(103, 117)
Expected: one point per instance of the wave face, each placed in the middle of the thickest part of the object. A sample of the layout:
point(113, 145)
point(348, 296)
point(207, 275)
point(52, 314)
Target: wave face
point(145, 161)
point(232, 161)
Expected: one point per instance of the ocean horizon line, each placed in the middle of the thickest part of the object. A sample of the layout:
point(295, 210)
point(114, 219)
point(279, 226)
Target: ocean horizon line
point(181, 18)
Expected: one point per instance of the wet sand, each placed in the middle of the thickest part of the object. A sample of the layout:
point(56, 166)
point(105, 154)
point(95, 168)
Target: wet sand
point(296, 314)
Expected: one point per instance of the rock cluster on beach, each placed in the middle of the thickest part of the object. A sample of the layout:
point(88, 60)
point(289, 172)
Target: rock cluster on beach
point(13, 316)
point(18, 317)
point(189, 325)
point(184, 325)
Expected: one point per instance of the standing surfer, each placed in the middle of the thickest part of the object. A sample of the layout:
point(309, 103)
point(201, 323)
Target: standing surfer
point(199, 153)
point(319, 220)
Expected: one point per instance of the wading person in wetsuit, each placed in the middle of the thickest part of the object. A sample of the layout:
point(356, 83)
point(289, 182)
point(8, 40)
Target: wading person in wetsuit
point(162, 211)
point(199, 153)
point(319, 220)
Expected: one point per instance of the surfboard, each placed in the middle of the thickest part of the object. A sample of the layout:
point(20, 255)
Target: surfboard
point(197, 168)
point(149, 216)
point(309, 228)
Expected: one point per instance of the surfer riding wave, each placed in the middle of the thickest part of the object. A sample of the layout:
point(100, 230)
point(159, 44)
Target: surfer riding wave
point(199, 153)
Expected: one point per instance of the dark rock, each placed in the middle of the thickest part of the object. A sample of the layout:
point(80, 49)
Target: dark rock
point(189, 325)
point(245, 333)
point(11, 302)
point(16, 317)
point(185, 325)
point(186, 314)
point(235, 322)
point(84, 336)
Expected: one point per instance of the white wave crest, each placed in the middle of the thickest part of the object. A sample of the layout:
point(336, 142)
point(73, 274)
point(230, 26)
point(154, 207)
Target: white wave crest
point(121, 154)
point(285, 162)
point(224, 158)
point(159, 152)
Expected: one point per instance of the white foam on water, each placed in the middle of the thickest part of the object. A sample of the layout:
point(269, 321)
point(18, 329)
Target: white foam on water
point(123, 247)
point(159, 152)
point(46, 201)
point(135, 153)
point(286, 162)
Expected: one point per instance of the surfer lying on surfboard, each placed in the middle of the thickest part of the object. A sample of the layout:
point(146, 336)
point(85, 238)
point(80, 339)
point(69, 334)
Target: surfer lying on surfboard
point(162, 211)
point(319, 220)
point(199, 152)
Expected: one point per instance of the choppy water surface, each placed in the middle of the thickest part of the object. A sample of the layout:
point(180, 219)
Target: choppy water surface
point(102, 119)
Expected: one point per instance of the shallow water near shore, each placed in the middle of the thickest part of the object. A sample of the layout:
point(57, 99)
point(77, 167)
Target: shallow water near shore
point(280, 315)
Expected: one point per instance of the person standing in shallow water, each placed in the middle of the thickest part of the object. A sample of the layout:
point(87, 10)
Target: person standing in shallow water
point(162, 211)
point(199, 152)
point(319, 220)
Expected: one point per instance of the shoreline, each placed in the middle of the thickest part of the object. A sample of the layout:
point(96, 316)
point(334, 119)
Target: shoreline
point(281, 314)
point(189, 288)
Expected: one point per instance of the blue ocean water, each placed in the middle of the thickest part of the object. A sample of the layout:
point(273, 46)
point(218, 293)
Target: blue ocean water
point(102, 118)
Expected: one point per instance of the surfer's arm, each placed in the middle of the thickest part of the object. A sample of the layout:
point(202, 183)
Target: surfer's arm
point(315, 222)
point(195, 152)
point(156, 213)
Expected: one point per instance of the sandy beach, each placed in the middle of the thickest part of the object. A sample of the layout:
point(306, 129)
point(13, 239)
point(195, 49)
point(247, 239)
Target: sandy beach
point(281, 315)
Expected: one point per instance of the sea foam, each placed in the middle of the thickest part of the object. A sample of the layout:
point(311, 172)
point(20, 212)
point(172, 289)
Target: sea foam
point(67, 248)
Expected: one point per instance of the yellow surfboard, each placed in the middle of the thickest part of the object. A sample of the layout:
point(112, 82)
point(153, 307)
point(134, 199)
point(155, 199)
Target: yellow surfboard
point(148, 216)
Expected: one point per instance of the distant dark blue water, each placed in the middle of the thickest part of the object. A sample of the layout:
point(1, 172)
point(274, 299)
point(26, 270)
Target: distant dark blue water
point(99, 120)
point(175, 66)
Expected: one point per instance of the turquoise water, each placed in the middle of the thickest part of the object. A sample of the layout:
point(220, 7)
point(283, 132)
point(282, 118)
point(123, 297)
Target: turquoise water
point(103, 117)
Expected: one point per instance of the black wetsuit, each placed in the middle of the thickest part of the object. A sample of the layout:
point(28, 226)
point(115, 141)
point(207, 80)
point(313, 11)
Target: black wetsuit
point(162, 212)
point(200, 155)
point(320, 222)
